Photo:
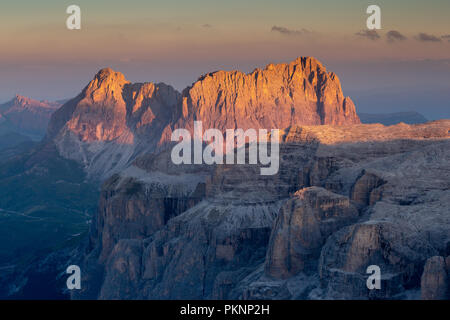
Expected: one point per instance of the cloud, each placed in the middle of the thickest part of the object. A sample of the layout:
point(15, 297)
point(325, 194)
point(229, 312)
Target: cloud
point(393, 36)
point(206, 25)
point(424, 37)
point(289, 32)
point(369, 34)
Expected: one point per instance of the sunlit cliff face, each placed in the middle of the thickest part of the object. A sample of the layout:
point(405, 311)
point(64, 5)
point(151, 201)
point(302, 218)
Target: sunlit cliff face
point(112, 110)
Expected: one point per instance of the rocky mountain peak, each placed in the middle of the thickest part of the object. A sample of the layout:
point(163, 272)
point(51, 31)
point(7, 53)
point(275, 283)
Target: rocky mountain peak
point(103, 125)
point(106, 86)
point(112, 109)
point(278, 96)
point(309, 62)
point(21, 102)
point(108, 75)
point(19, 99)
point(27, 116)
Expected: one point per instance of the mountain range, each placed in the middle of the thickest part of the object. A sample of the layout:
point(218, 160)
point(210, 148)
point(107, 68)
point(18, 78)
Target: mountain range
point(347, 195)
point(113, 121)
point(26, 116)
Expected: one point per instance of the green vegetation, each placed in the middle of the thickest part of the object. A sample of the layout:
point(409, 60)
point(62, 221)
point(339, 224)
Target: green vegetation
point(45, 201)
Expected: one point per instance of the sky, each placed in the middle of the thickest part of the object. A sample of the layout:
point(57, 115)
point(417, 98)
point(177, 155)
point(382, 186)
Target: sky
point(404, 66)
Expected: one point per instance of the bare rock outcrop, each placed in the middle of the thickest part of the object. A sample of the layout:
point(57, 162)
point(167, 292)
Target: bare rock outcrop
point(218, 231)
point(435, 280)
point(366, 190)
point(396, 250)
point(113, 121)
point(123, 274)
point(282, 95)
point(302, 227)
point(136, 203)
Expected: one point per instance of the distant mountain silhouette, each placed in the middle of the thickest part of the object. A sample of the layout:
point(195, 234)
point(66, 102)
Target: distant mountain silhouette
point(26, 116)
point(393, 118)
